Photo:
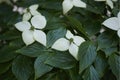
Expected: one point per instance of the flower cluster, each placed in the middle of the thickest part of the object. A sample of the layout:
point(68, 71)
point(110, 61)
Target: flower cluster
point(31, 26)
point(70, 42)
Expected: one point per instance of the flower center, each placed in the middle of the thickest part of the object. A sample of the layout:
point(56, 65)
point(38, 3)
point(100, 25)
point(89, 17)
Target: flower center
point(32, 28)
point(28, 10)
point(71, 40)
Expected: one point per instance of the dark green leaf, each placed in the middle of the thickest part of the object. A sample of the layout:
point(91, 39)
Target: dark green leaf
point(107, 39)
point(9, 35)
point(61, 60)
point(77, 26)
point(108, 51)
point(8, 76)
point(57, 75)
point(7, 53)
point(92, 27)
point(26, 3)
point(4, 67)
point(100, 64)
point(33, 50)
point(87, 54)
point(40, 67)
point(95, 6)
point(22, 67)
point(114, 62)
point(73, 73)
point(5, 9)
point(18, 43)
point(53, 21)
point(49, 76)
point(56, 5)
point(91, 74)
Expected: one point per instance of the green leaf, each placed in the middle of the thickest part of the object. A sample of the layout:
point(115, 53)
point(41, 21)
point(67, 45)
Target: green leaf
point(77, 26)
point(56, 5)
point(114, 62)
point(107, 39)
point(9, 35)
point(109, 75)
point(91, 74)
point(92, 27)
point(87, 54)
point(73, 73)
point(115, 10)
point(100, 64)
point(18, 43)
point(33, 50)
point(13, 18)
point(8, 76)
point(95, 6)
point(108, 51)
point(56, 75)
point(22, 67)
point(61, 60)
point(5, 9)
point(40, 67)
point(7, 53)
point(4, 67)
point(48, 76)
point(26, 3)
point(54, 25)
point(53, 35)
point(53, 21)
point(61, 75)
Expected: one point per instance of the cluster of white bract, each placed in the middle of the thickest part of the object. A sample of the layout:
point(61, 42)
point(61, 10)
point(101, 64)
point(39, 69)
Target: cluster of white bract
point(31, 26)
point(108, 2)
point(70, 42)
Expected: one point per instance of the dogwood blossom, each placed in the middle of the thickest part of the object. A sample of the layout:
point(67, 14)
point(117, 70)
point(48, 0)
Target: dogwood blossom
point(70, 43)
point(31, 11)
point(113, 23)
point(20, 10)
point(68, 5)
point(32, 31)
point(108, 2)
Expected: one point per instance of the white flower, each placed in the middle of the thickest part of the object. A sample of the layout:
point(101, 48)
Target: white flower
point(30, 33)
point(31, 11)
point(113, 23)
point(109, 2)
point(70, 43)
point(68, 5)
point(20, 10)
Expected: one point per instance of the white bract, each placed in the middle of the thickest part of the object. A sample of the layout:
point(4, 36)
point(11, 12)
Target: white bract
point(113, 23)
point(108, 2)
point(70, 43)
point(68, 5)
point(31, 31)
point(31, 11)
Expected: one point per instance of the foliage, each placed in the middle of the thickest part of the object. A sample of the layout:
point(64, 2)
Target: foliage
point(99, 55)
